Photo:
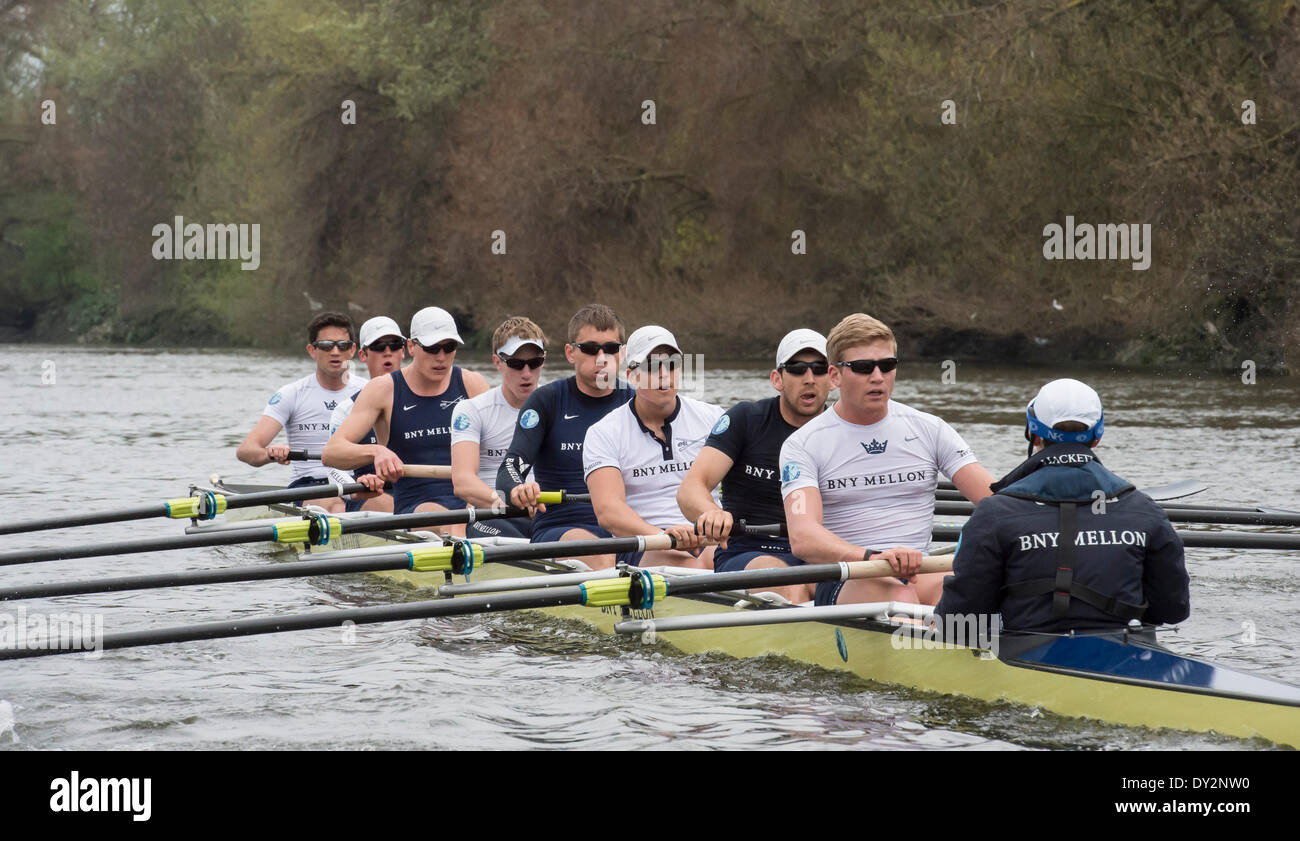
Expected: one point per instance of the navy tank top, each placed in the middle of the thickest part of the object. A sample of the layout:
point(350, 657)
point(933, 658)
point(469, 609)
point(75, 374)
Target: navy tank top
point(419, 432)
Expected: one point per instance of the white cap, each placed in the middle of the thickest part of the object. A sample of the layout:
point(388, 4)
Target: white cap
point(377, 328)
point(514, 343)
point(646, 339)
point(797, 340)
point(432, 325)
point(1066, 400)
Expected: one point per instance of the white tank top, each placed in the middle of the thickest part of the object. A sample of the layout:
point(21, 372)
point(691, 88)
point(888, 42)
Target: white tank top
point(303, 408)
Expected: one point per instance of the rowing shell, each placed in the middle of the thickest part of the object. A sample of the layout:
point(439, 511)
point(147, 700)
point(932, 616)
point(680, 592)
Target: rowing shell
point(1121, 679)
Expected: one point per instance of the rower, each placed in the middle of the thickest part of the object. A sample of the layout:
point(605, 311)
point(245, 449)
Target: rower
point(413, 409)
point(302, 408)
point(743, 453)
point(635, 457)
point(383, 347)
point(1064, 544)
point(862, 476)
point(546, 450)
point(484, 426)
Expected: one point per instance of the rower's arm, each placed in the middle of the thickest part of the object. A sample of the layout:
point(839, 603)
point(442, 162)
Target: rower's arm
point(252, 450)
point(809, 539)
point(695, 494)
point(465, 480)
point(530, 434)
point(475, 384)
point(973, 481)
point(342, 449)
point(609, 498)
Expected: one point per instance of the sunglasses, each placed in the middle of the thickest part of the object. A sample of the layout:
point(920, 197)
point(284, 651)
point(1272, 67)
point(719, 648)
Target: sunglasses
point(866, 366)
point(448, 347)
point(390, 345)
point(798, 369)
point(328, 344)
point(593, 348)
point(518, 364)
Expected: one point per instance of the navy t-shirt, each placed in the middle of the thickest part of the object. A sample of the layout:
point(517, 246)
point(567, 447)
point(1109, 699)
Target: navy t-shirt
point(547, 446)
point(751, 435)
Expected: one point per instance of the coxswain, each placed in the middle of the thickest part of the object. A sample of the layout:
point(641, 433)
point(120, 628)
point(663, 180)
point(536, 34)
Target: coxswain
point(743, 454)
point(1064, 544)
point(858, 481)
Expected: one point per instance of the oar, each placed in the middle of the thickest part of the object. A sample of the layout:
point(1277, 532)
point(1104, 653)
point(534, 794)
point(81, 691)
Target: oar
point(1202, 539)
point(316, 529)
point(1176, 490)
point(208, 504)
point(1176, 515)
point(879, 611)
point(641, 590)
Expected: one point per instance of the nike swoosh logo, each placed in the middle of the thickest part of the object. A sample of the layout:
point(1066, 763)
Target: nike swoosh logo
point(913, 438)
point(409, 408)
point(570, 417)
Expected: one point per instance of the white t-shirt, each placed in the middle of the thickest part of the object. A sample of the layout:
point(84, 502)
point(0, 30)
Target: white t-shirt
point(489, 421)
point(651, 469)
point(877, 482)
point(304, 408)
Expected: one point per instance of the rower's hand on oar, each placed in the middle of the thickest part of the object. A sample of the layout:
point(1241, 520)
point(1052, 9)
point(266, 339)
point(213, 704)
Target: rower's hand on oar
point(527, 496)
point(684, 537)
point(373, 483)
point(715, 526)
point(388, 466)
point(906, 562)
point(278, 453)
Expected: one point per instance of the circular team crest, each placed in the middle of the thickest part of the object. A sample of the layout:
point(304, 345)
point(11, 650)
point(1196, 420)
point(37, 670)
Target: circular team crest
point(461, 423)
point(722, 424)
point(529, 419)
point(275, 398)
point(789, 472)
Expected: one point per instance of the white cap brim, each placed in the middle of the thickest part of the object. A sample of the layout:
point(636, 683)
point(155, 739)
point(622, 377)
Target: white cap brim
point(514, 343)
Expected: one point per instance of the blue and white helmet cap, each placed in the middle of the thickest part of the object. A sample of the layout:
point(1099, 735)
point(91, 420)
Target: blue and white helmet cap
point(1065, 400)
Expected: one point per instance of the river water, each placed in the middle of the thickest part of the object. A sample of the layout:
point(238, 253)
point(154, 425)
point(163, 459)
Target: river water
point(105, 428)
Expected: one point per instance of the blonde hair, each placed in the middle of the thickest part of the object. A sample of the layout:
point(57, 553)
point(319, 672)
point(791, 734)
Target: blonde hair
point(853, 330)
point(516, 325)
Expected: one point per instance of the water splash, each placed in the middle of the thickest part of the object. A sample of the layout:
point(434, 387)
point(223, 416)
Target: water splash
point(7, 725)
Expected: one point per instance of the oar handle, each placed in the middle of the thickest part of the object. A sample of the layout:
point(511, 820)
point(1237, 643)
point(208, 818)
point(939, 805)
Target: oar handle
point(302, 455)
point(882, 569)
point(426, 471)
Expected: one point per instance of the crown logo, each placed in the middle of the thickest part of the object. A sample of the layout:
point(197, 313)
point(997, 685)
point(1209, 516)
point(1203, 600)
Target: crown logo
point(875, 448)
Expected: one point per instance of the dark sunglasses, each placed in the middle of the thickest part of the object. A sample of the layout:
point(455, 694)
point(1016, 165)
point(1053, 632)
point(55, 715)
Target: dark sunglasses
point(448, 347)
point(518, 364)
point(866, 366)
point(328, 344)
point(798, 369)
point(390, 345)
point(593, 348)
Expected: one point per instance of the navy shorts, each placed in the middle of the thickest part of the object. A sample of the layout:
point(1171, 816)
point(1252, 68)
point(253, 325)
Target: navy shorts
point(828, 592)
point(736, 559)
point(550, 534)
point(449, 501)
point(501, 527)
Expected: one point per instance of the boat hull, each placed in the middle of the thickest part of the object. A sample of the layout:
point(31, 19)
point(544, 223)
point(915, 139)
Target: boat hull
point(1124, 680)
